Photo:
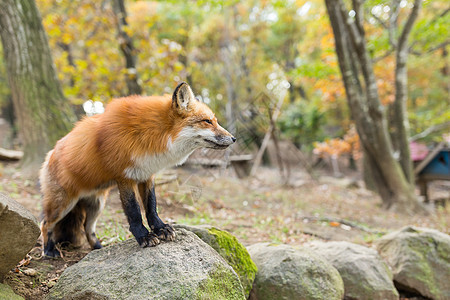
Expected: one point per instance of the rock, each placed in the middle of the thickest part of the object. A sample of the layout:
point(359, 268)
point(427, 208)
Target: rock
point(7, 293)
point(340, 182)
point(365, 274)
point(184, 269)
point(230, 249)
point(50, 284)
point(285, 272)
point(19, 232)
point(29, 272)
point(420, 260)
point(6, 154)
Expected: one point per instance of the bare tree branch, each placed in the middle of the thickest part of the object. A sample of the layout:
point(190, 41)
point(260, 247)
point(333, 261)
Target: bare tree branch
point(393, 22)
point(439, 16)
point(355, 37)
point(381, 57)
point(403, 40)
point(429, 50)
point(99, 23)
point(359, 15)
point(127, 48)
point(355, 33)
point(365, 62)
point(382, 23)
point(429, 130)
point(399, 123)
point(343, 51)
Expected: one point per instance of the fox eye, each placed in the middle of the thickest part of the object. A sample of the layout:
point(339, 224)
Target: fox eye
point(207, 121)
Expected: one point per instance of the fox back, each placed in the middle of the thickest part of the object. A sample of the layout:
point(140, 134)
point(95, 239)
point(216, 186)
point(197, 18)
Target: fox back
point(133, 139)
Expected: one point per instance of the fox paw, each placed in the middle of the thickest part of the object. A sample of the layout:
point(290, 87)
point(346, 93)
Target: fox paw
point(50, 250)
point(165, 233)
point(150, 240)
point(97, 245)
point(52, 253)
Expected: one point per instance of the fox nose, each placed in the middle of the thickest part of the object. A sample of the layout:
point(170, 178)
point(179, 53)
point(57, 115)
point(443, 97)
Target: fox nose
point(233, 139)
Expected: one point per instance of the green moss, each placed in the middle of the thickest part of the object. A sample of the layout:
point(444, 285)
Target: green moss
point(221, 284)
point(321, 281)
point(236, 255)
point(291, 273)
point(7, 293)
point(230, 249)
point(443, 251)
point(423, 271)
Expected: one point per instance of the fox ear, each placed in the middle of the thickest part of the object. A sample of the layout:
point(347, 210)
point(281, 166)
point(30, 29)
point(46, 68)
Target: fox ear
point(182, 96)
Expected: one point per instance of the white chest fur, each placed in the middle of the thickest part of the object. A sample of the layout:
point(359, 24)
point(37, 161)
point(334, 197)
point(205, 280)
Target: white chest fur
point(178, 151)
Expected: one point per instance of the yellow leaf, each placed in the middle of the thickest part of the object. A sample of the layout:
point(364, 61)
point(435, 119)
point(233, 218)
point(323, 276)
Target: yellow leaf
point(66, 38)
point(54, 32)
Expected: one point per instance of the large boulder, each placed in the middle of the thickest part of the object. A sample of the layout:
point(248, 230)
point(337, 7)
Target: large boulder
point(285, 272)
point(420, 260)
point(19, 232)
point(365, 274)
point(230, 249)
point(7, 293)
point(186, 268)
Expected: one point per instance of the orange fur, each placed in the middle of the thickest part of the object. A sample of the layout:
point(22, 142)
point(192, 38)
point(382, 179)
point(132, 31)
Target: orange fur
point(97, 152)
point(100, 148)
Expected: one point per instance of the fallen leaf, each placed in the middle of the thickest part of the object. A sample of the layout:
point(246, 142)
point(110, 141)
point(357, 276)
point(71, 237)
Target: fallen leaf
point(334, 224)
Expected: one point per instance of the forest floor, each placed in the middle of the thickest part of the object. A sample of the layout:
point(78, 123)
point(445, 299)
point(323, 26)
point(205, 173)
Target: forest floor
point(254, 210)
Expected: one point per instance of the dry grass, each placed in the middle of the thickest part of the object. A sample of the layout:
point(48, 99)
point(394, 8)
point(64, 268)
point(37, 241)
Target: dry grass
point(253, 209)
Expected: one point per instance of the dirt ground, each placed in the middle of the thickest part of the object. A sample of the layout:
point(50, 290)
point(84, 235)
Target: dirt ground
point(253, 209)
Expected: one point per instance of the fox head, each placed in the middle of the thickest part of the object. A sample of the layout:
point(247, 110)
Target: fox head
point(200, 123)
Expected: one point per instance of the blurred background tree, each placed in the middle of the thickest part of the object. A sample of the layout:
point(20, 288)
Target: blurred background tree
point(43, 114)
point(384, 136)
point(232, 52)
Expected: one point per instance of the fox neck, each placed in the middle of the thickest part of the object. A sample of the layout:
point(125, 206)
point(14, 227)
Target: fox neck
point(177, 152)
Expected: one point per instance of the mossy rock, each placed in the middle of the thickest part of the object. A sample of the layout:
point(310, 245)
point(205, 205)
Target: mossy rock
point(186, 268)
point(230, 249)
point(285, 272)
point(19, 233)
point(7, 293)
point(420, 260)
point(365, 274)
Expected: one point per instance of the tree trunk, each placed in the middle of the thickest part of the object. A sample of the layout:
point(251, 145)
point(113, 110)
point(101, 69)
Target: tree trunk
point(70, 60)
point(399, 121)
point(366, 109)
point(42, 112)
point(127, 48)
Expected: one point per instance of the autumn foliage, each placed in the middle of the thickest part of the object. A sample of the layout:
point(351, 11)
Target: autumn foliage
point(337, 147)
point(238, 50)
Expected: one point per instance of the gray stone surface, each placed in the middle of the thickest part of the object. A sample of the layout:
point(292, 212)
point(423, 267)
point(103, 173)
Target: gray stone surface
point(6, 293)
point(230, 249)
point(19, 232)
point(420, 260)
point(285, 272)
point(365, 274)
point(187, 268)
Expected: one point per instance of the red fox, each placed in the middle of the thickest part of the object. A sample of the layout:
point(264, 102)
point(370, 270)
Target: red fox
point(133, 139)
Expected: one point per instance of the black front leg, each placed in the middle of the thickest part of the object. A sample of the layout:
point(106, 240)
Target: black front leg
point(133, 213)
point(50, 248)
point(148, 196)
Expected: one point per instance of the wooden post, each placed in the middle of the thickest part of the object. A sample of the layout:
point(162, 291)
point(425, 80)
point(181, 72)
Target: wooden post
point(424, 190)
point(266, 139)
